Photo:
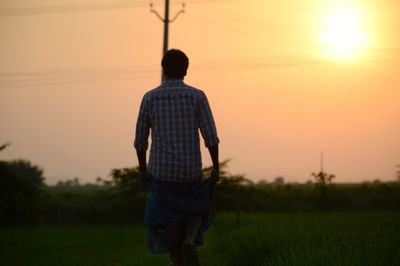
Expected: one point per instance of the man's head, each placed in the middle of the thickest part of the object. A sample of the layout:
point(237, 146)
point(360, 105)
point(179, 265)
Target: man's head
point(175, 64)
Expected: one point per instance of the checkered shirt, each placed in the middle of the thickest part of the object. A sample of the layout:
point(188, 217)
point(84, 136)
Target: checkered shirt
point(175, 112)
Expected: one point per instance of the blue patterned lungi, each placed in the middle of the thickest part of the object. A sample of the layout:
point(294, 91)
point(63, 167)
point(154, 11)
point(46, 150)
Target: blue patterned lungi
point(172, 203)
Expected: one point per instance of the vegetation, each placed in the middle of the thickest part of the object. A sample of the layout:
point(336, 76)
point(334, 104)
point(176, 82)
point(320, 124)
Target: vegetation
point(20, 191)
point(120, 199)
point(335, 238)
point(338, 238)
point(254, 224)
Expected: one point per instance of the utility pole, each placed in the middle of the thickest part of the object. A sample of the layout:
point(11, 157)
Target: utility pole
point(166, 22)
point(166, 27)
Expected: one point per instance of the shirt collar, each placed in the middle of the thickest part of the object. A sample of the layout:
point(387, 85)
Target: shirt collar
point(172, 82)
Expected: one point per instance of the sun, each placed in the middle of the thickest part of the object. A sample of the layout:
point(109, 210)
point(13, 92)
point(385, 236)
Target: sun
point(343, 37)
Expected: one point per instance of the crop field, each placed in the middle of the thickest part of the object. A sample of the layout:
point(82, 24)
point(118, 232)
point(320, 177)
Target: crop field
point(337, 238)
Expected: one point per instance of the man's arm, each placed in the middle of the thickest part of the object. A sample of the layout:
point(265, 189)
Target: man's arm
point(141, 155)
point(143, 126)
point(209, 132)
point(215, 161)
point(207, 124)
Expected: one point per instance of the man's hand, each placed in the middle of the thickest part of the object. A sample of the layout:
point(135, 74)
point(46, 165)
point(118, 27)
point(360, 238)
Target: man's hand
point(214, 157)
point(215, 175)
point(141, 155)
point(144, 180)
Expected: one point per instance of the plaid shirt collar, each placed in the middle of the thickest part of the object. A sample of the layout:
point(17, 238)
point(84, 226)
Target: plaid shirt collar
point(172, 82)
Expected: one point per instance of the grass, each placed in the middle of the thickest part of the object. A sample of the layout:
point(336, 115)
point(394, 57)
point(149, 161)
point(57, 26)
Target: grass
point(353, 238)
point(367, 238)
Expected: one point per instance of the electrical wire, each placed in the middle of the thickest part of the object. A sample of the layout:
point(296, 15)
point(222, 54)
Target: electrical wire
point(243, 25)
point(39, 10)
point(239, 31)
point(34, 78)
point(212, 1)
point(50, 9)
point(252, 24)
point(39, 78)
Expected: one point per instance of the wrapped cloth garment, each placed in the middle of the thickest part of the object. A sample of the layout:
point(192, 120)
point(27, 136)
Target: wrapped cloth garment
point(172, 203)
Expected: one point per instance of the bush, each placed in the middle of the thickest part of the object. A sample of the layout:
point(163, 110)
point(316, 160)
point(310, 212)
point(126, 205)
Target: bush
point(21, 190)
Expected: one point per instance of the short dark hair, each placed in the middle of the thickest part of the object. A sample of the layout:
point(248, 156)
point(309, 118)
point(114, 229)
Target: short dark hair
point(175, 64)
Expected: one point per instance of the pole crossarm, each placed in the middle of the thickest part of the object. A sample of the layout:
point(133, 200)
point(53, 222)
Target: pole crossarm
point(152, 10)
point(157, 14)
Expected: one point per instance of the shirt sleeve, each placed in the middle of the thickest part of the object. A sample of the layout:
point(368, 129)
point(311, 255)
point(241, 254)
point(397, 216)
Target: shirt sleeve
point(206, 123)
point(142, 127)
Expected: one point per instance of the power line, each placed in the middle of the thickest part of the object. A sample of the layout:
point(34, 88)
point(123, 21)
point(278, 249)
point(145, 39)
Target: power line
point(236, 30)
point(213, 1)
point(252, 28)
point(39, 78)
point(39, 10)
point(18, 79)
point(129, 70)
point(35, 78)
point(86, 7)
point(255, 25)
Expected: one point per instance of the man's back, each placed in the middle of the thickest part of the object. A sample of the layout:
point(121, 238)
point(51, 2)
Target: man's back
point(175, 112)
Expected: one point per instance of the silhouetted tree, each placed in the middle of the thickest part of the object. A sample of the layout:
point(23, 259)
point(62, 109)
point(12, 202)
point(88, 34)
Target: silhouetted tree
point(229, 195)
point(279, 181)
point(222, 169)
point(377, 181)
point(60, 183)
point(69, 183)
point(226, 179)
point(262, 182)
point(322, 178)
point(20, 191)
point(32, 172)
point(125, 180)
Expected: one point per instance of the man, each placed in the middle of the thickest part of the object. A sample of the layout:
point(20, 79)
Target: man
point(178, 201)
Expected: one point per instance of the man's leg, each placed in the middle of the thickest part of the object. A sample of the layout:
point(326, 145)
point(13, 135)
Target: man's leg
point(192, 227)
point(174, 238)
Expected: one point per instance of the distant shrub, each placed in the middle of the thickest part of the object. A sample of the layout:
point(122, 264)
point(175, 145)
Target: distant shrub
point(21, 189)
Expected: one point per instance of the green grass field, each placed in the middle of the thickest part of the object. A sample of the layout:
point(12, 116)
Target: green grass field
point(353, 238)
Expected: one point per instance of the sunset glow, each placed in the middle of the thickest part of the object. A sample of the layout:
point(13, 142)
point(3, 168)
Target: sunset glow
point(343, 37)
point(286, 80)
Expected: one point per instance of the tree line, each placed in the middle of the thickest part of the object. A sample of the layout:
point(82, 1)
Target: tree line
point(120, 198)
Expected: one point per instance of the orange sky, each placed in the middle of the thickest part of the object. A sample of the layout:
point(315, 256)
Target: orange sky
point(72, 74)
